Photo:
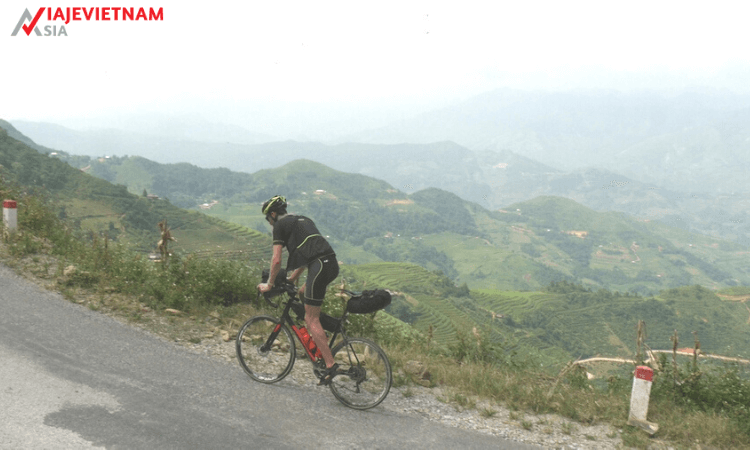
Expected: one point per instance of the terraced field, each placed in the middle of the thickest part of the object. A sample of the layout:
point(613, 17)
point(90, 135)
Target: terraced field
point(444, 320)
point(215, 238)
point(394, 276)
point(195, 233)
point(510, 315)
point(510, 304)
point(420, 286)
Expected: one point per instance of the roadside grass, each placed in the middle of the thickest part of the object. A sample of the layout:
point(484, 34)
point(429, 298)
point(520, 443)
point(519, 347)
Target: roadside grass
point(706, 406)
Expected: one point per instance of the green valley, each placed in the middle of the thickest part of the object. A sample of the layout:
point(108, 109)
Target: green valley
point(547, 278)
point(524, 246)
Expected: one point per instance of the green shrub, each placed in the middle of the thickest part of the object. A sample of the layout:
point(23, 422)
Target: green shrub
point(724, 391)
point(477, 348)
point(22, 244)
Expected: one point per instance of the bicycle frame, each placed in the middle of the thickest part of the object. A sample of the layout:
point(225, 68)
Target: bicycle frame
point(287, 319)
point(364, 376)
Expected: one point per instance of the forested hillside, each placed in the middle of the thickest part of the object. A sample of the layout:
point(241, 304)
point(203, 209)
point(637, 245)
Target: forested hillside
point(524, 246)
point(562, 322)
point(91, 205)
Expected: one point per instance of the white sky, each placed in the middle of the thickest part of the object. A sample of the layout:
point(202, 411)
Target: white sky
point(224, 58)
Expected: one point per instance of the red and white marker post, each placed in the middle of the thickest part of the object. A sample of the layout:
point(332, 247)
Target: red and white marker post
point(639, 398)
point(10, 214)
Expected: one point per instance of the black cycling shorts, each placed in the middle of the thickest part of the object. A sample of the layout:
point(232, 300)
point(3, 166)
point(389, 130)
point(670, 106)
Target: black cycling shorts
point(320, 273)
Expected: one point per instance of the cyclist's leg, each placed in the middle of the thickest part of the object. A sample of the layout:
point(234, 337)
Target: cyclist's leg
point(320, 273)
point(312, 319)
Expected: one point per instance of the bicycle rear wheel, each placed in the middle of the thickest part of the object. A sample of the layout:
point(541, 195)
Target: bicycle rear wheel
point(265, 349)
point(366, 377)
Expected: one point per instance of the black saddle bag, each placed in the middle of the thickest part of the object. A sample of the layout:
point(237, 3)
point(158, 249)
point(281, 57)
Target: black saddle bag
point(369, 301)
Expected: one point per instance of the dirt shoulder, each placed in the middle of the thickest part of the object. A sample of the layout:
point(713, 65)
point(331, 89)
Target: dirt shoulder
point(211, 332)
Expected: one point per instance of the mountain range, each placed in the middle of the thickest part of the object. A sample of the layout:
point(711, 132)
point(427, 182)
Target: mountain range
point(679, 158)
point(676, 159)
point(531, 274)
point(525, 246)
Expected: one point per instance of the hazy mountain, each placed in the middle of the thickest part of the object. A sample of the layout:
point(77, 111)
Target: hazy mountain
point(200, 144)
point(696, 141)
point(19, 136)
point(493, 179)
point(692, 142)
point(681, 159)
point(475, 176)
point(410, 167)
point(131, 131)
point(712, 156)
point(191, 128)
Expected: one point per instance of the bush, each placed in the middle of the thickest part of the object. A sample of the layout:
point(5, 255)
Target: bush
point(477, 348)
point(724, 391)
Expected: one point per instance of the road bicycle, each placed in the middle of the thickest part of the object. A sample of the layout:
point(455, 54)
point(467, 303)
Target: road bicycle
point(266, 348)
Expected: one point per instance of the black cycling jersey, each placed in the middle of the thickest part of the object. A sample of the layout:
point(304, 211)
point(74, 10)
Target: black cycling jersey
point(302, 239)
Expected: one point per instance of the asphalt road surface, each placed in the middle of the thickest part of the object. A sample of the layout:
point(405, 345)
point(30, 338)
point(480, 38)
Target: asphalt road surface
point(72, 378)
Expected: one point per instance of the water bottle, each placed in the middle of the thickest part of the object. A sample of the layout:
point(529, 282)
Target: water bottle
point(307, 340)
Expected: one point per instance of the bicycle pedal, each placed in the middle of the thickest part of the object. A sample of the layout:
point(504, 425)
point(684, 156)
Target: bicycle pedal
point(319, 368)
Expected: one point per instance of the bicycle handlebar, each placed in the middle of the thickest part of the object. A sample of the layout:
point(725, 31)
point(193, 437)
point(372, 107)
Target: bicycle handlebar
point(289, 288)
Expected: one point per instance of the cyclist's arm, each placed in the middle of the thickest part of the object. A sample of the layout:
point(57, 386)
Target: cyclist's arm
point(275, 264)
point(296, 274)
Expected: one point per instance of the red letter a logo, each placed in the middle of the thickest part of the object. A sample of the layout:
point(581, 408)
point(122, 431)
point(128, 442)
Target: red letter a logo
point(32, 26)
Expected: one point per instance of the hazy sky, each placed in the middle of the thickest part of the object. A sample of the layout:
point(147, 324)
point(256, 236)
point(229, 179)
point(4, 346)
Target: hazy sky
point(270, 63)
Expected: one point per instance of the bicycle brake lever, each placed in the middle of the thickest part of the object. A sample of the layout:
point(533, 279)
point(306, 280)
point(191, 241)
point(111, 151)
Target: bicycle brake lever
point(266, 296)
point(286, 287)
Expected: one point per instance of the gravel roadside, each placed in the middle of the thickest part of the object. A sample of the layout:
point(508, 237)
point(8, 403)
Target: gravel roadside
point(548, 431)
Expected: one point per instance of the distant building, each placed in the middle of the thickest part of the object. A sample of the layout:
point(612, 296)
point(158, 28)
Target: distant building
point(209, 205)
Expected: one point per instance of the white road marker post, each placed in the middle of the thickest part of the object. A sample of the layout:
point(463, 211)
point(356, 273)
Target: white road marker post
point(10, 215)
point(639, 398)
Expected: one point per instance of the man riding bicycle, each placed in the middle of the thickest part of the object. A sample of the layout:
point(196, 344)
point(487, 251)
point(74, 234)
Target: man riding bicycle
point(307, 250)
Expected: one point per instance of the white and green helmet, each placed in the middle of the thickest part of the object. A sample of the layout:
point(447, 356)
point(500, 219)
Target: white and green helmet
point(274, 204)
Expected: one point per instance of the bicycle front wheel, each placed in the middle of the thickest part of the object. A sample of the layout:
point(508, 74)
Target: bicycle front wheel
point(366, 377)
point(265, 349)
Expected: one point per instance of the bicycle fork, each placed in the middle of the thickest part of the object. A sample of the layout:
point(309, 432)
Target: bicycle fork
point(269, 342)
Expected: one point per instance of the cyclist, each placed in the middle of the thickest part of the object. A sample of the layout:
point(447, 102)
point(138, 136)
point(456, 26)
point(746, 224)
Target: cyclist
point(307, 250)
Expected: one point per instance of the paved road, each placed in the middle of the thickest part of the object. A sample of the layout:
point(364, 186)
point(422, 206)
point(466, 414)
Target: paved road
point(74, 378)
